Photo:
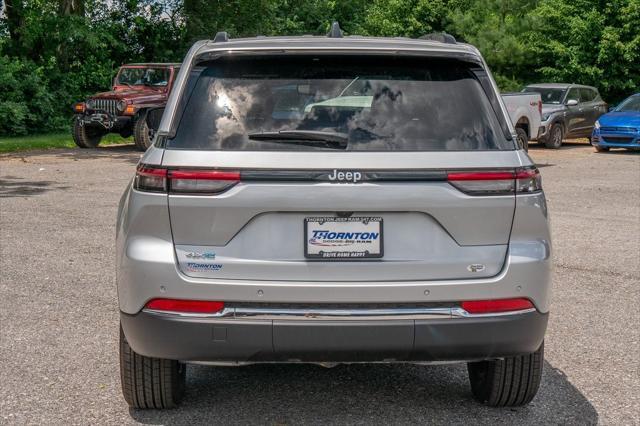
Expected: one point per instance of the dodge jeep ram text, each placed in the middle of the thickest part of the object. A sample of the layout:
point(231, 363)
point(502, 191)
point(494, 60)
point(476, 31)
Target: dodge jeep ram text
point(333, 200)
point(136, 88)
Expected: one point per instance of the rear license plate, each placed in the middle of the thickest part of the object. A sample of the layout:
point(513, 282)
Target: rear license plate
point(339, 238)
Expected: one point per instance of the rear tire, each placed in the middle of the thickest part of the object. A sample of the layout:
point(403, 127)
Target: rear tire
point(507, 382)
point(523, 139)
point(85, 136)
point(601, 148)
point(150, 382)
point(141, 135)
point(556, 134)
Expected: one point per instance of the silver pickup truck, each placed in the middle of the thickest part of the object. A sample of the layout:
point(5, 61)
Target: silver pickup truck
point(525, 111)
point(333, 200)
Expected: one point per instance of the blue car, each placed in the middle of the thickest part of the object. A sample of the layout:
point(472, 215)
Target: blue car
point(620, 128)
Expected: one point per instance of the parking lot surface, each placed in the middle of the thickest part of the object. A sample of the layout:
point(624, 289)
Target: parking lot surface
point(59, 313)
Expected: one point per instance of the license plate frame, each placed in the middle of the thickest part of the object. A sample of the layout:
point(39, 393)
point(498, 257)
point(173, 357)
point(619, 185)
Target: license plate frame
point(328, 249)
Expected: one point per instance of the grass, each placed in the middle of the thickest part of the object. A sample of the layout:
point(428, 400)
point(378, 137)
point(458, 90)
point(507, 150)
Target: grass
point(54, 140)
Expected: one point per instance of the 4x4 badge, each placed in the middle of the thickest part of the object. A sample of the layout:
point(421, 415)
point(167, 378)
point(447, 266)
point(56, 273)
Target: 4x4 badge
point(198, 255)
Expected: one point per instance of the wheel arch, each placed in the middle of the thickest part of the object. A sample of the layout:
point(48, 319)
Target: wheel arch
point(559, 120)
point(523, 123)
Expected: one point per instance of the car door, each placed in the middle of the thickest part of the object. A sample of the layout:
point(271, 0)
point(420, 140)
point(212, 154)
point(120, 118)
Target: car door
point(590, 109)
point(574, 115)
point(598, 106)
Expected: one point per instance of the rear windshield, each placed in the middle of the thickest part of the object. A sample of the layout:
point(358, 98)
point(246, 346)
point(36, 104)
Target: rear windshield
point(353, 103)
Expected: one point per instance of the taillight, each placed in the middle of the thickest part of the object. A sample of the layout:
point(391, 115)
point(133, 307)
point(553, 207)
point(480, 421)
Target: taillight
point(150, 179)
point(496, 306)
point(528, 180)
point(202, 181)
point(184, 181)
point(185, 306)
point(496, 182)
point(540, 107)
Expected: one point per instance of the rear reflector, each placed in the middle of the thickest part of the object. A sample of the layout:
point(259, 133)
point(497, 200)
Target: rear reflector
point(496, 182)
point(185, 306)
point(495, 306)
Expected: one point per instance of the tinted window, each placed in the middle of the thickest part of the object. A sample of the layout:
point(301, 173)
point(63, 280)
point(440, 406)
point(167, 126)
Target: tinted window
point(574, 93)
point(587, 95)
point(548, 96)
point(371, 103)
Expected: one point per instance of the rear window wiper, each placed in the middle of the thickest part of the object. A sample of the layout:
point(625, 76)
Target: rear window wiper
point(304, 137)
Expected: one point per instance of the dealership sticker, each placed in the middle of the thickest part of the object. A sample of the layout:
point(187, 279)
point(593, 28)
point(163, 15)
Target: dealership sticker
point(197, 267)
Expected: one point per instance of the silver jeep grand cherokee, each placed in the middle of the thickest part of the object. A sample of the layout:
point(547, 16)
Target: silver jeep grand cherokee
point(333, 200)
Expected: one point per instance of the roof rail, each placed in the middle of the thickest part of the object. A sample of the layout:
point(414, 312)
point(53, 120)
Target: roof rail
point(441, 37)
point(221, 36)
point(335, 31)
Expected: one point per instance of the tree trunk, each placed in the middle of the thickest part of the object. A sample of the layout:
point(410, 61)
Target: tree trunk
point(71, 7)
point(14, 12)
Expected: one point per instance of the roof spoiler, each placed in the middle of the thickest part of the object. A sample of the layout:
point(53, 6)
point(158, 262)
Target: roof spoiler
point(335, 32)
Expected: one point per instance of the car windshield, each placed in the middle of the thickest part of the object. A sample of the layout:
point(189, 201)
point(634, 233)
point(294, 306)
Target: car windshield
point(631, 104)
point(347, 102)
point(140, 76)
point(548, 96)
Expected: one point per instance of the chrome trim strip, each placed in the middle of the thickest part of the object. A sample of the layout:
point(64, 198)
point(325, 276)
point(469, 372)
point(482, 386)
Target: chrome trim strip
point(461, 313)
point(265, 313)
point(343, 314)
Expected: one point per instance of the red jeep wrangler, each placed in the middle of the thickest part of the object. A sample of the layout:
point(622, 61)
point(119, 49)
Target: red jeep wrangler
point(136, 88)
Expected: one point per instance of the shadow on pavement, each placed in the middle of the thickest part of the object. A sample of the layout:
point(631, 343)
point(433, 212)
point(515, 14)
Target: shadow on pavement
point(568, 144)
point(126, 153)
point(359, 393)
point(123, 152)
point(11, 186)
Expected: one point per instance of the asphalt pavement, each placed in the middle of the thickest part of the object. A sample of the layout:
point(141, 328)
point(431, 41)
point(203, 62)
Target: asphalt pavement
point(59, 313)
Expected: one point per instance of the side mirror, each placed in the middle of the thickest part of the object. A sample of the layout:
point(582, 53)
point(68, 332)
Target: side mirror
point(153, 118)
point(572, 102)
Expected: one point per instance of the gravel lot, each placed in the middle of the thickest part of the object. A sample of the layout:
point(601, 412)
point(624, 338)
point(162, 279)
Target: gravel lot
point(59, 314)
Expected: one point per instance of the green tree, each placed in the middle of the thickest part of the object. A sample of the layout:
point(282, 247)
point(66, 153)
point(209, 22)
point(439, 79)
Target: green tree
point(497, 29)
point(589, 42)
point(408, 18)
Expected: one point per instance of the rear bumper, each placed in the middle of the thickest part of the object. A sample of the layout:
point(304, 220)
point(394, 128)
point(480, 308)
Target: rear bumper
point(201, 339)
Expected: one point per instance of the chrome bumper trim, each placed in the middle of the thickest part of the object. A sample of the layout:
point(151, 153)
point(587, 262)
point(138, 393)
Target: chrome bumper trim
point(265, 313)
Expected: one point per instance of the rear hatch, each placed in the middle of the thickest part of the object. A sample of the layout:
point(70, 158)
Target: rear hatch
point(325, 168)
